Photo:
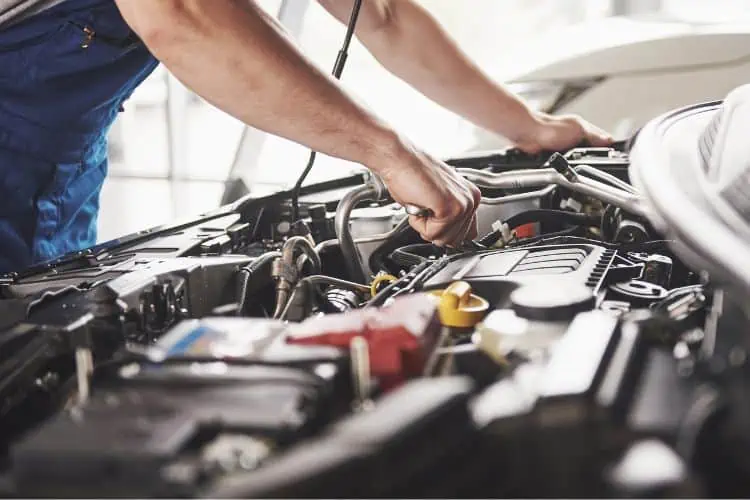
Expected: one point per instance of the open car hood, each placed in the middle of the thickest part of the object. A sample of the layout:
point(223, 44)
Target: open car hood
point(622, 45)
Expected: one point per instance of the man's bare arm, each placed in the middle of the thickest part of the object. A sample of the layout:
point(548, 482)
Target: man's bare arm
point(238, 58)
point(410, 43)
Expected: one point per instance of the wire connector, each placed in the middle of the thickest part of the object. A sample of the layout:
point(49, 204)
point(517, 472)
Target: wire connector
point(503, 230)
point(572, 204)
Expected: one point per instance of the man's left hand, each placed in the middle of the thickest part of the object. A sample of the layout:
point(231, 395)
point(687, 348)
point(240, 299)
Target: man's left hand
point(558, 133)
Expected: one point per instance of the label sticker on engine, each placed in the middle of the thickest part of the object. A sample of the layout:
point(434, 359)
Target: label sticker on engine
point(219, 338)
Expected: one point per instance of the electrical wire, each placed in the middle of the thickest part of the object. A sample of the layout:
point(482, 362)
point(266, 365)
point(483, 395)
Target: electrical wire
point(338, 69)
point(548, 238)
point(553, 239)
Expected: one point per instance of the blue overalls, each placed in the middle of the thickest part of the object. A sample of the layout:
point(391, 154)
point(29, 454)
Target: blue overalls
point(64, 75)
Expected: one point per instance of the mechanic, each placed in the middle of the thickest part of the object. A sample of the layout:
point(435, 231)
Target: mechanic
point(67, 66)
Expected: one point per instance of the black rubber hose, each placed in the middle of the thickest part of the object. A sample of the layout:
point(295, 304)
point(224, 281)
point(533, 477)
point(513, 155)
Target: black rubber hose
point(413, 255)
point(405, 258)
point(246, 274)
point(541, 215)
point(380, 257)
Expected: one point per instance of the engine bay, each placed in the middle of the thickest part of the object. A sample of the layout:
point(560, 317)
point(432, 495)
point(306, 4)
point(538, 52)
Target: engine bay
point(248, 354)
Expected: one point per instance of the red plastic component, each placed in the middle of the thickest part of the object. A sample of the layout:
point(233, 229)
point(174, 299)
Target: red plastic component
point(400, 336)
point(526, 230)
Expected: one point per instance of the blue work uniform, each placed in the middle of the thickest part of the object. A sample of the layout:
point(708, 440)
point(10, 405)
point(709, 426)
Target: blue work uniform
point(64, 75)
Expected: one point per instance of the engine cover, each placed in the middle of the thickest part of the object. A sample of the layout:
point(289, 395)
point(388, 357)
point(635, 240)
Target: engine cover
point(496, 274)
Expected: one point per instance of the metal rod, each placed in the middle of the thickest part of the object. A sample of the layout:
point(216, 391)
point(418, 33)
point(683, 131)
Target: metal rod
point(84, 370)
point(433, 365)
point(362, 382)
point(605, 177)
point(520, 179)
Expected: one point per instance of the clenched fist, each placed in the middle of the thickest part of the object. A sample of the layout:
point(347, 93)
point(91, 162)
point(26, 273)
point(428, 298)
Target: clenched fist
point(421, 180)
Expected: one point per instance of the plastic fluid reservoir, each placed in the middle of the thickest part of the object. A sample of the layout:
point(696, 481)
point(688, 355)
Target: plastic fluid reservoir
point(537, 317)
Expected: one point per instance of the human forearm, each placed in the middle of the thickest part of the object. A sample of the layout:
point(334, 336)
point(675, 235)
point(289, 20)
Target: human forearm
point(239, 59)
point(411, 44)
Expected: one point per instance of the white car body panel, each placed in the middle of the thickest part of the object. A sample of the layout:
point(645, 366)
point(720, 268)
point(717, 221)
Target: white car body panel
point(648, 68)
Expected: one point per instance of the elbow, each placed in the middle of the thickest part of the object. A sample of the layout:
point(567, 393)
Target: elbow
point(376, 20)
point(383, 32)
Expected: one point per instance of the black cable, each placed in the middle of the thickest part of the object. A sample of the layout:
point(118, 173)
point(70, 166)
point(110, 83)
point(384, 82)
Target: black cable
point(246, 274)
point(561, 239)
point(542, 215)
point(413, 255)
point(533, 240)
point(338, 68)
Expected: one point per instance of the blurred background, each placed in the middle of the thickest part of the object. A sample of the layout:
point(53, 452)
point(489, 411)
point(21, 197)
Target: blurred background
point(617, 62)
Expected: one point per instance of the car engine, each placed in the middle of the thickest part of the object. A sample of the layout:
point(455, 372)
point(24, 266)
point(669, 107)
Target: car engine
point(569, 351)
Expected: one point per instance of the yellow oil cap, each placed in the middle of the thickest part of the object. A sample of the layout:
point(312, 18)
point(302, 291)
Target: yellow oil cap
point(458, 307)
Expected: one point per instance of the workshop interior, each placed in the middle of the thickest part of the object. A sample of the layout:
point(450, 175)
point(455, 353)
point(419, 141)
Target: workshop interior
point(255, 322)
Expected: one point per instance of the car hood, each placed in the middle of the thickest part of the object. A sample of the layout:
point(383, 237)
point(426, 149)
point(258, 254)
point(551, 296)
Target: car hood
point(620, 45)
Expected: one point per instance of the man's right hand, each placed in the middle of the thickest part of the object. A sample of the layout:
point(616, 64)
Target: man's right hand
point(429, 183)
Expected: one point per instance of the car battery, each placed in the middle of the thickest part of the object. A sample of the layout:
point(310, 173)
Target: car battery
point(212, 397)
point(244, 341)
point(155, 432)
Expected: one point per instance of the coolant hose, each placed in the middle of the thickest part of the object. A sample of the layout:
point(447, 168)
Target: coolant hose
point(372, 191)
